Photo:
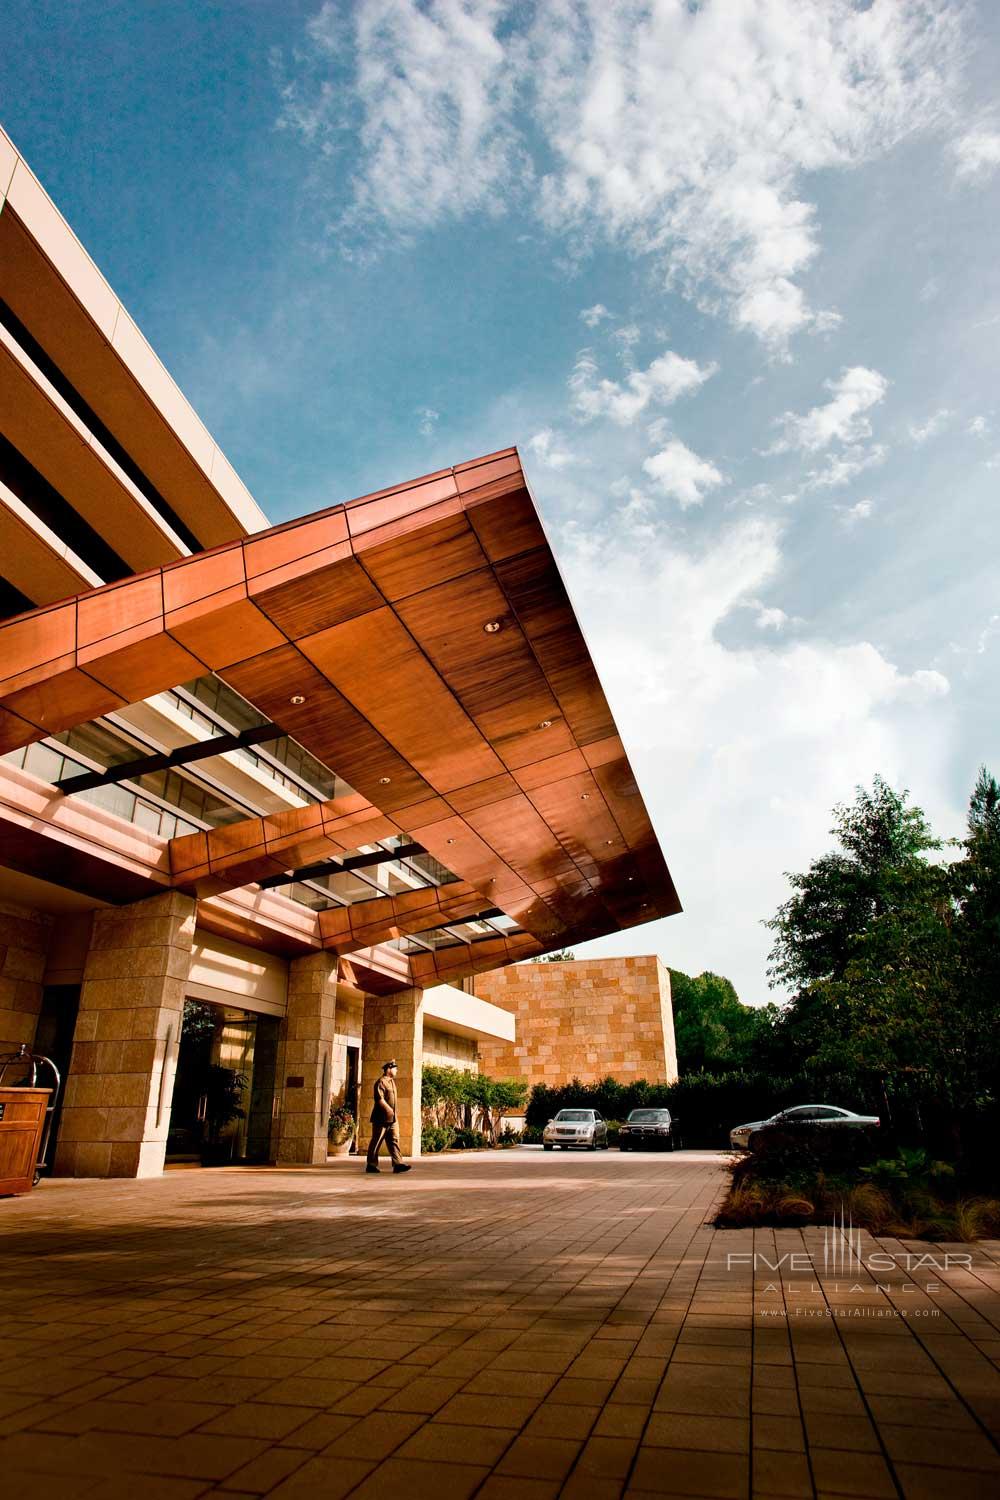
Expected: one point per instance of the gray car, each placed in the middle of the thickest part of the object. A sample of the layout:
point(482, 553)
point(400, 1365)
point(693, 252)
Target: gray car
point(576, 1127)
point(802, 1114)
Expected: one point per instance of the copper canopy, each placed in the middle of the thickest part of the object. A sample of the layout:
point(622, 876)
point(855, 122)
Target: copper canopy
point(420, 642)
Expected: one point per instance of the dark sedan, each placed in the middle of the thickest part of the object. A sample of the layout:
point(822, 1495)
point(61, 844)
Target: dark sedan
point(647, 1129)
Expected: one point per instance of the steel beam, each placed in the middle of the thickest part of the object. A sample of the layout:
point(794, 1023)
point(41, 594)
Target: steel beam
point(167, 760)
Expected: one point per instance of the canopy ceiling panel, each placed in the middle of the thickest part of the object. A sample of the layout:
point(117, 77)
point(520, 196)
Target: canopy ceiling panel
point(421, 643)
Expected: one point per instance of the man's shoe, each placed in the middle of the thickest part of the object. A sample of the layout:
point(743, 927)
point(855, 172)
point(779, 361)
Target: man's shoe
point(373, 1169)
point(402, 1168)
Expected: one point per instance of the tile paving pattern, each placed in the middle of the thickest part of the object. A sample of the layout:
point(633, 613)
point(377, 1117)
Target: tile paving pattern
point(511, 1327)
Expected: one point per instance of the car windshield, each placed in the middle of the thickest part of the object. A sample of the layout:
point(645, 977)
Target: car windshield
point(648, 1116)
point(581, 1116)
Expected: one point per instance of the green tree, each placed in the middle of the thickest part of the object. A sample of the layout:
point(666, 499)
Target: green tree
point(444, 1094)
point(977, 876)
point(881, 841)
point(894, 957)
point(494, 1098)
point(557, 956)
point(713, 1029)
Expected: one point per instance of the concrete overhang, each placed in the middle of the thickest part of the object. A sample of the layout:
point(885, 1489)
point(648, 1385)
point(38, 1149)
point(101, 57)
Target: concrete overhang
point(453, 1011)
point(54, 289)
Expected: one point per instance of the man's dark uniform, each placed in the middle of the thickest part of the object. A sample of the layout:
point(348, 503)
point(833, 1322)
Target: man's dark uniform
point(385, 1126)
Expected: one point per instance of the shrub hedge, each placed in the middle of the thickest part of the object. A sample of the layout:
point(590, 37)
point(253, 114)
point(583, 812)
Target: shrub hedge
point(705, 1106)
point(435, 1138)
point(802, 1177)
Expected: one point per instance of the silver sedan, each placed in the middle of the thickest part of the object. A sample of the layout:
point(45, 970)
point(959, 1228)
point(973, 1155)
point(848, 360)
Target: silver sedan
point(802, 1114)
point(576, 1127)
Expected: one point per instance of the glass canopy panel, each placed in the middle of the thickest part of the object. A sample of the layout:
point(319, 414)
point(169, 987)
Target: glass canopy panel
point(227, 710)
point(454, 936)
point(50, 764)
point(369, 882)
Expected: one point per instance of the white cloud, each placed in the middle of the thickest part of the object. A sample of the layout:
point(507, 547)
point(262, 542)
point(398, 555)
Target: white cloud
point(850, 515)
point(667, 379)
point(978, 427)
point(428, 419)
point(629, 335)
point(594, 315)
point(741, 751)
point(770, 617)
point(842, 419)
point(840, 468)
point(935, 424)
point(977, 153)
point(545, 445)
point(429, 107)
point(683, 133)
point(682, 474)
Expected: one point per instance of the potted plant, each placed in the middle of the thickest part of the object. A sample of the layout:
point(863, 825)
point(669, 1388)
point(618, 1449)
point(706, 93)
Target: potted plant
point(340, 1130)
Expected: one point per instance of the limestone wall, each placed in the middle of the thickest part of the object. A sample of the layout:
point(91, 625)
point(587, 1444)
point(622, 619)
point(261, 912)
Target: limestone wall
point(447, 1051)
point(24, 941)
point(585, 1019)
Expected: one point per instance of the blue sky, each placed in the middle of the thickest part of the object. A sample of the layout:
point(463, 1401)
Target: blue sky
point(726, 273)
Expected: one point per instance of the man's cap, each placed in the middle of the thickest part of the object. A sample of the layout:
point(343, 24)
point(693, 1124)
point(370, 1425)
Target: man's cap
point(392, 1063)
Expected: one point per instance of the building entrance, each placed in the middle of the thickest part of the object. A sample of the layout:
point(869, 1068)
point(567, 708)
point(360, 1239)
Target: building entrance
point(223, 1096)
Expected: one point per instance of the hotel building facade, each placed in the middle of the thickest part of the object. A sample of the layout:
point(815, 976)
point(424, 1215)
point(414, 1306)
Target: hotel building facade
point(270, 797)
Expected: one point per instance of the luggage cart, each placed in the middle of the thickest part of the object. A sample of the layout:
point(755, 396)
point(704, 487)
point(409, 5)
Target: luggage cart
point(30, 1062)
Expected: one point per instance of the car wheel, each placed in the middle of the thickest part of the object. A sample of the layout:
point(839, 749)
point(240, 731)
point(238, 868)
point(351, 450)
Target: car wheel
point(592, 1146)
point(548, 1148)
point(622, 1146)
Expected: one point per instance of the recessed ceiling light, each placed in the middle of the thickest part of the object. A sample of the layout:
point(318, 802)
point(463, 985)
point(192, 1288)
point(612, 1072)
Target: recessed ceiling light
point(492, 626)
point(451, 841)
point(545, 724)
point(384, 780)
point(609, 841)
point(584, 796)
point(297, 698)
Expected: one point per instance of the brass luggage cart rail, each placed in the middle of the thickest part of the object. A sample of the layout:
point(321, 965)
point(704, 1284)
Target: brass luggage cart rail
point(31, 1062)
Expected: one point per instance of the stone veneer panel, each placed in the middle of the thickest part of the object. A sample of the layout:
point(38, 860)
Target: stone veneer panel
point(24, 944)
point(586, 1019)
point(394, 1028)
point(116, 1110)
point(308, 1065)
point(445, 1050)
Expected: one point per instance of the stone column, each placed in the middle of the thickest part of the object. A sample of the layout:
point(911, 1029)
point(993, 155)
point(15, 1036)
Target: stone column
point(394, 1028)
point(307, 1077)
point(116, 1105)
point(24, 942)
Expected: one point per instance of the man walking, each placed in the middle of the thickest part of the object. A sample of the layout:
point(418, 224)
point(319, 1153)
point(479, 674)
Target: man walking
point(384, 1123)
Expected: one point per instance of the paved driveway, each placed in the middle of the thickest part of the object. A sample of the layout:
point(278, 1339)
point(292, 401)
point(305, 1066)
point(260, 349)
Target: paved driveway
point(514, 1326)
